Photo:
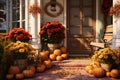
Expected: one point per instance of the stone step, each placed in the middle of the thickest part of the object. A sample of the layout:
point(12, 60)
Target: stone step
point(71, 63)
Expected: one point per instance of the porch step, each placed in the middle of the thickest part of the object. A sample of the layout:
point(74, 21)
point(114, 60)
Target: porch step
point(81, 55)
point(71, 63)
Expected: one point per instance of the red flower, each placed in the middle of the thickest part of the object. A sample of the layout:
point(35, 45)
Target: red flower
point(19, 34)
point(52, 32)
point(115, 10)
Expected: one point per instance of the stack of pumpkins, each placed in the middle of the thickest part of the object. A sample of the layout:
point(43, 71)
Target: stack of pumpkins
point(45, 62)
point(14, 72)
point(95, 69)
point(57, 55)
point(46, 58)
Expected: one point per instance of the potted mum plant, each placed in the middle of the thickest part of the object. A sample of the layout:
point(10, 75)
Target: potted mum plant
point(19, 53)
point(107, 57)
point(52, 33)
point(19, 34)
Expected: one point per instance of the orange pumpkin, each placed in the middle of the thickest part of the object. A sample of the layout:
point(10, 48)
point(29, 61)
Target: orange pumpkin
point(41, 67)
point(52, 57)
point(114, 73)
point(64, 56)
point(14, 70)
point(31, 67)
point(108, 74)
point(87, 68)
point(90, 71)
point(59, 58)
point(9, 76)
point(57, 52)
point(48, 63)
point(19, 76)
point(28, 73)
point(99, 72)
point(63, 49)
point(43, 55)
point(47, 52)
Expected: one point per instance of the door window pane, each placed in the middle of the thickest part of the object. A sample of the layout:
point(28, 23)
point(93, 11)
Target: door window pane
point(87, 31)
point(74, 2)
point(87, 21)
point(75, 30)
point(18, 13)
point(23, 9)
point(87, 11)
point(87, 2)
point(15, 24)
point(74, 16)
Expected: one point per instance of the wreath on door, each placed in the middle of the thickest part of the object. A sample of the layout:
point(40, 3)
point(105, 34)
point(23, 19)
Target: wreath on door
point(55, 13)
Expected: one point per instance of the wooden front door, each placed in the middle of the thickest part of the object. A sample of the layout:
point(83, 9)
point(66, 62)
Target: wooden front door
point(80, 25)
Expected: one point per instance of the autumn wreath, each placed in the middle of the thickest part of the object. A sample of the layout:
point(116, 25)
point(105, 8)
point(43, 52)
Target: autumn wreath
point(53, 14)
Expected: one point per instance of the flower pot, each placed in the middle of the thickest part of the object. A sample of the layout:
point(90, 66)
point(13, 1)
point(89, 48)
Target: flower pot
point(52, 47)
point(106, 67)
point(22, 63)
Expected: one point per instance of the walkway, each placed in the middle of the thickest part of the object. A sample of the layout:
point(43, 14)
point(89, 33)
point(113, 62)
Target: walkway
point(67, 70)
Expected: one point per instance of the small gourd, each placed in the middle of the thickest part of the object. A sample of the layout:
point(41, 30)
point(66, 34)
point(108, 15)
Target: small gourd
point(52, 57)
point(32, 67)
point(19, 76)
point(28, 73)
point(14, 70)
point(59, 58)
point(41, 67)
point(114, 73)
point(64, 56)
point(90, 71)
point(47, 52)
point(9, 76)
point(63, 49)
point(108, 74)
point(88, 67)
point(57, 52)
point(99, 72)
point(43, 55)
point(48, 63)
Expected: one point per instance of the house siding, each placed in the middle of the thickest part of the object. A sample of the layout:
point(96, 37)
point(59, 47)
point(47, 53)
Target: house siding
point(116, 30)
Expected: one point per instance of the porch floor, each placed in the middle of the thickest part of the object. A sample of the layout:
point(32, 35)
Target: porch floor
point(73, 65)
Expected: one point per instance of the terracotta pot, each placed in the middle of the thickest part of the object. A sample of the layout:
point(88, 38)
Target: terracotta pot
point(22, 63)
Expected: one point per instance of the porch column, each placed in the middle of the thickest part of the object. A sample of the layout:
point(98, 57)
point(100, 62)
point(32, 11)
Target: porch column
point(116, 30)
point(34, 23)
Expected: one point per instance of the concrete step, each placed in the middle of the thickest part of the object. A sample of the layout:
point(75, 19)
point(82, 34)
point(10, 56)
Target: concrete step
point(71, 63)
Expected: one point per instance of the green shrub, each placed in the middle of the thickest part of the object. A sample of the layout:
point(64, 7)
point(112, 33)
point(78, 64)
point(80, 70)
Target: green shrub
point(3, 60)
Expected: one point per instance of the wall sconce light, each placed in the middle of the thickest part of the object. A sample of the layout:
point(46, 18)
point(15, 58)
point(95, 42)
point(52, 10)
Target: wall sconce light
point(53, 5)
